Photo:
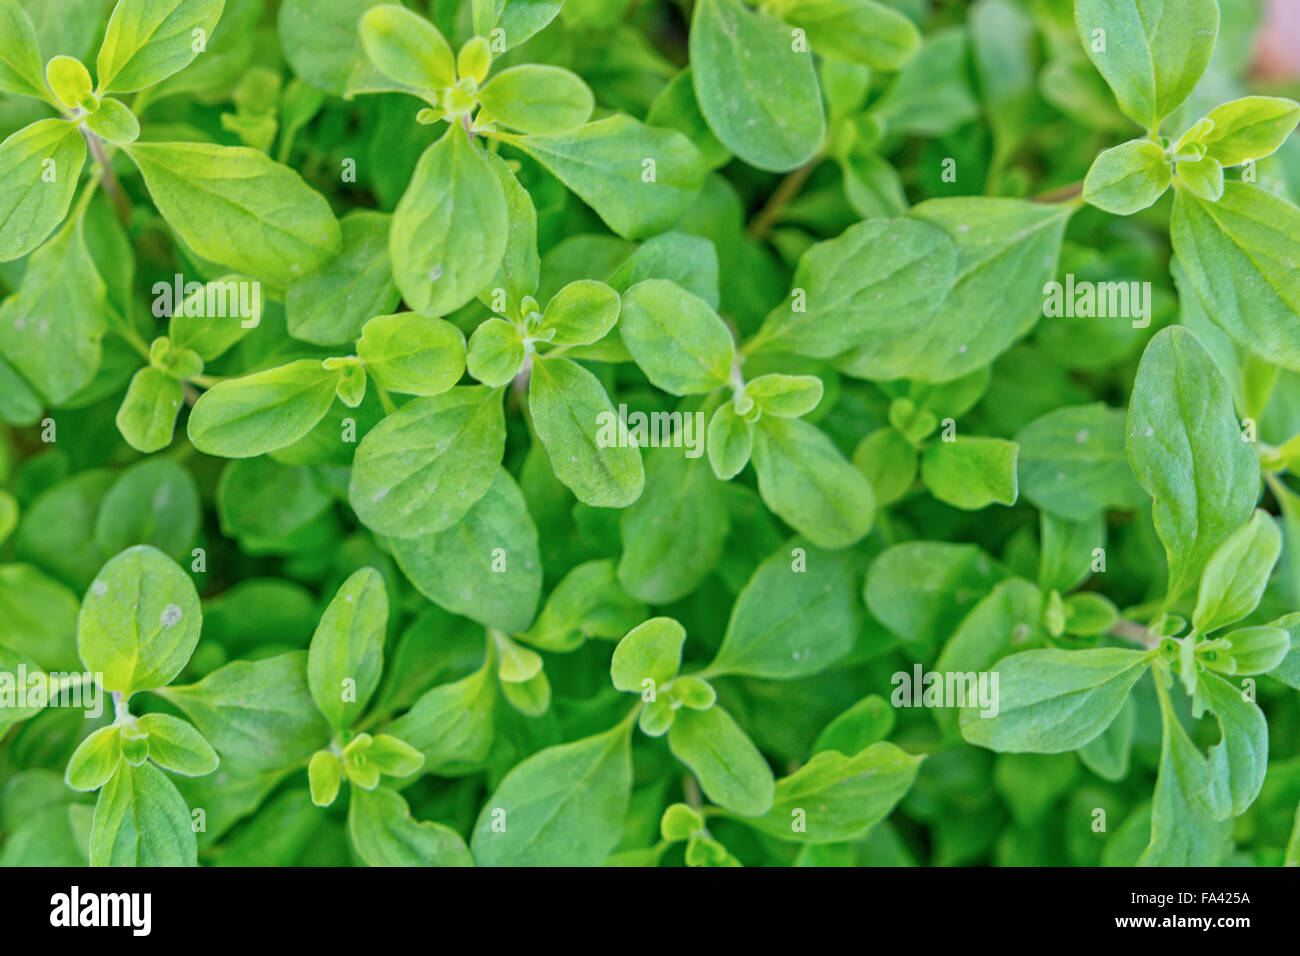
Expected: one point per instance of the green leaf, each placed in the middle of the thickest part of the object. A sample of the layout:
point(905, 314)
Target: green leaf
point(650, 651)
point(347, 651)
point(258, 714)
point(1073, 463)
point(1149, 51)
point(857, 31)
point(1006, 252)
point(531, 697)
point(322, 42)
point(421, 469)
point(638, 179)
point(730, 442)
point(932, 95)
point(1006, 619)
point(786, 396)
point(1182, 832)
point(693, 692)
point(214, 316)
point(139, 621)
point(266, 411)
point(889, 461)
point(267, 505)
point(1239, 761)
point(1237, 573)
point(1088, 613)
point(407, 48)
point(972, 472)
point(913, 423)
point(922, 589)
point(176, 746)
point(673, 534)
point(582, 312)
point(1288, 671)
point(758, 92)
point(835, 797)
point(70, 81)
point(584, 437)
point(539, 99)
point(19, 405)
point(675, 107)
point(20, 58)
point(149, 40)
point(155, 501)
point(681, 344)
point(804, 480)
point(731, 771)
point(517, 19)
point(331, 306)
point(515, 664)
point(1004, 46)
point(57, 531)
point(15, 669)
point(412, 354)
point(679, 822)
point(588, 602)
point(1051, 701)
point(141, 820)
point(1127, 178)
point(1187, 452)
point(324, 777)
point(1107, 754)
point(114, 122)
point(1253, 650)
point(38, 617)
point(1249, 128)
point(95, 760)
point(8, 515)
point(451, 724)
point(563, 806)
point(689, 261)
point(51, 329)
point(352, 384)
point(1239, 255)
point(795, 617)
point(448, 233)
point(520, 264)
point(868, 721)
point(233, 205)
point(496, 353)
point(486, 566)
point(384, 833)
point(1203, 176)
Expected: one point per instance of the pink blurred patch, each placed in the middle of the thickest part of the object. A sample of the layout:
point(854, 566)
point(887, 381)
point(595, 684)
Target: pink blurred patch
point(1277, 50)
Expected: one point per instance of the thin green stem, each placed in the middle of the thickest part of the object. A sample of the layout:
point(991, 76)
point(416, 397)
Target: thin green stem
point(112, 188)
point(286, 146)
point(788, 189)
point(385, 399)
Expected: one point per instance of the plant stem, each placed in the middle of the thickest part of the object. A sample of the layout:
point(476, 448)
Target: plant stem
point(112, 188)
point(691, 790)
point(1060, 193)
point(789, 187)
point(1135, 632)
point(385, 399)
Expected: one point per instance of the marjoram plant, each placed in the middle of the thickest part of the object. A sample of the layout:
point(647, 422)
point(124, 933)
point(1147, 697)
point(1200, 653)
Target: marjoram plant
point(647, 432)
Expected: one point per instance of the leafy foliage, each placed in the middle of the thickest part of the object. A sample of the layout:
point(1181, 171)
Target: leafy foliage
point(511, 432)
